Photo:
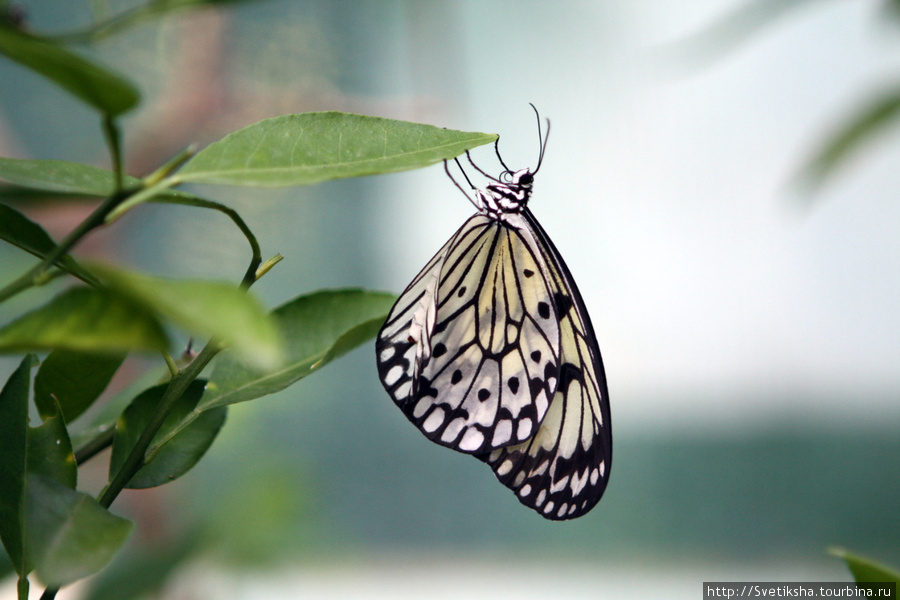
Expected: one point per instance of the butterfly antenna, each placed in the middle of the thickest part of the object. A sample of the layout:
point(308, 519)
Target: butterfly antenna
point(542, 139)
point(456, 183)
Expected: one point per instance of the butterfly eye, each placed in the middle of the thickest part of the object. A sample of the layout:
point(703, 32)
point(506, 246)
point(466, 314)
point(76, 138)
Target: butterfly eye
point(526, 179)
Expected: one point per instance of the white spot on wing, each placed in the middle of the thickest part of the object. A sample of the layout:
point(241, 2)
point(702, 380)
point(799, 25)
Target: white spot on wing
point(502, 432)
point(453, 429)
point(471, 440)
point(395, 373)
point(524, 430)
point(434, 420)
point(421, 407)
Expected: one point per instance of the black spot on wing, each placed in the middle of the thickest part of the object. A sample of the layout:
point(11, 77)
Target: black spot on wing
point(563, 304)
point(544, 310)
point(513, 384)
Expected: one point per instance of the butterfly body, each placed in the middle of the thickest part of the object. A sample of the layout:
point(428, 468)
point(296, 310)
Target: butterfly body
point(490, 351)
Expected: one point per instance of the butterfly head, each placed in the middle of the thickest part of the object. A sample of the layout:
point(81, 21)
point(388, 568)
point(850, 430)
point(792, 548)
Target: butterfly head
point(509, 194)
point(523, 178)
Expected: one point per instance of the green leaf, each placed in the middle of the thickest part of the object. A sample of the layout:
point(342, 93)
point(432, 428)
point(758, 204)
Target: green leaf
point(174, 451)
point(318, 328)
point(59, 176)
point(98, 87)
point(867, 122)
point(86, 319)
point(318, 146)
point(74, 379)
point(20, 231)
point(73, 179)
point(13, 465)
point(864, 569)
point(206, 308)
point(69, 535)
point(50, 452)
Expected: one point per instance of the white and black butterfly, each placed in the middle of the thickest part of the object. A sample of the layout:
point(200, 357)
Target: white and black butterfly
point(490, 351)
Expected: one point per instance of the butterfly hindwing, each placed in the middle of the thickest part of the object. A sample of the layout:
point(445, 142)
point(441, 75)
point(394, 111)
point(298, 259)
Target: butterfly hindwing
point(490, 351)
point(470, 351)
point(563, 470)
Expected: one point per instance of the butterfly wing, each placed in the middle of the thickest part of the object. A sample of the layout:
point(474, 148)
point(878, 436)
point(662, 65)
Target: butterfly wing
point(563, 470)
point(471, 350)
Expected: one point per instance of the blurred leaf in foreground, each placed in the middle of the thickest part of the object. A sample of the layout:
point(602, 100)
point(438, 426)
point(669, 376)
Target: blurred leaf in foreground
point(94, 85)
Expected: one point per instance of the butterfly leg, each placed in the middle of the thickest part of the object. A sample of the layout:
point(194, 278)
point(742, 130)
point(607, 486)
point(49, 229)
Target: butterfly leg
point(456, 183)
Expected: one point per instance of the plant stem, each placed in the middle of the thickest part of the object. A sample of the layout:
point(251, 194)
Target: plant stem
point(95, 445)
point(135, 459)
point(250, 275)
point(38, 272)
point(113, 139)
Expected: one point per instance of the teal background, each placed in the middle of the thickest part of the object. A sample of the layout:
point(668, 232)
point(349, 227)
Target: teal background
point(750, 333)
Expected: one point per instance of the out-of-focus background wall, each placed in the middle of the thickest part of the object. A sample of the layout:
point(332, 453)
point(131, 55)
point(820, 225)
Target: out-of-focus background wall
point(750, 330)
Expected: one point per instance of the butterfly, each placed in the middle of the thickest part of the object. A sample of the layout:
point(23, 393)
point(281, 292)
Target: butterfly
point(490, 351)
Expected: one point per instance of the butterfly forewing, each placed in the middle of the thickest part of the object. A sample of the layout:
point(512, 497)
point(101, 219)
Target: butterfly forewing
point(481, 374)
point(490, 351)
point(563, 470)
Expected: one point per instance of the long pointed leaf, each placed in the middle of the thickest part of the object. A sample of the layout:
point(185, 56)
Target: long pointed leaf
point(317, 328)
point(175, 451)
point(88, 319)
point(71, 381)
point(207, 308)
point(72, 179)
point(13, 450)
point(59, 176)
point(318, 146)
point(69, 535)
point(864, 569)
point(852, 135)
point(50, 452)
point(19, 230)
point(90, 83)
